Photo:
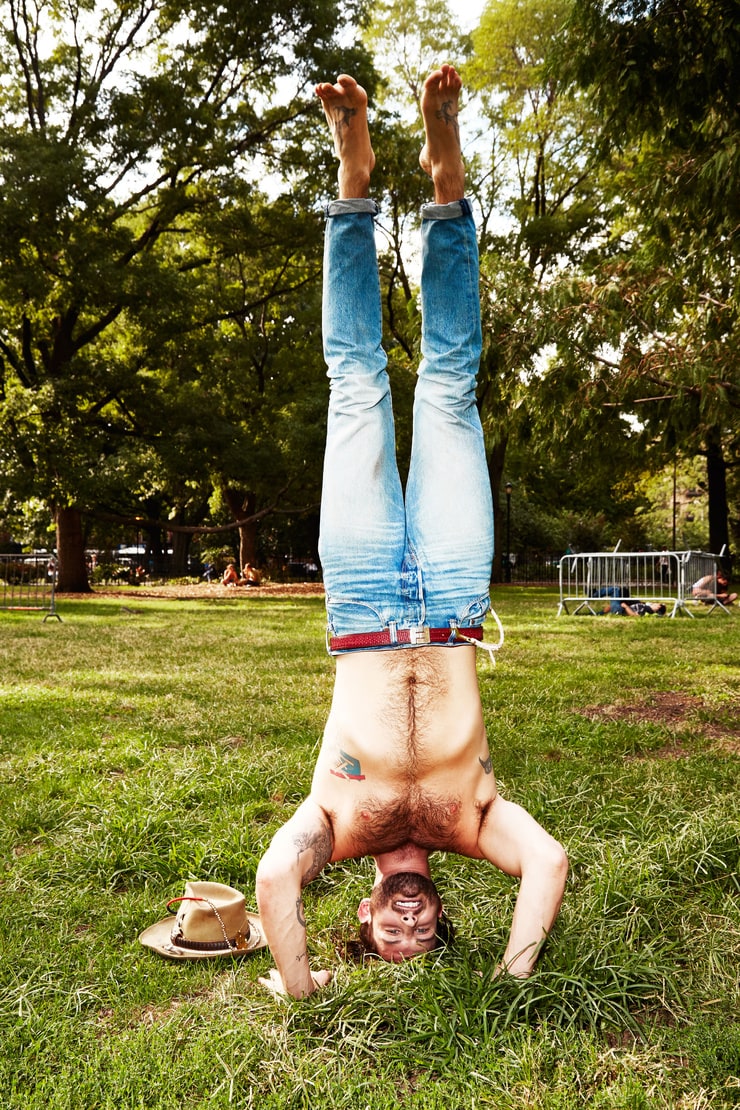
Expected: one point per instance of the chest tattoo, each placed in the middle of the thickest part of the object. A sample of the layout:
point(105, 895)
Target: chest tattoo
point(348, 768)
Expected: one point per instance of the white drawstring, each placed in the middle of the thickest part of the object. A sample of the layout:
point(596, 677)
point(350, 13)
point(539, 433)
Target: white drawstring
point(490, 648)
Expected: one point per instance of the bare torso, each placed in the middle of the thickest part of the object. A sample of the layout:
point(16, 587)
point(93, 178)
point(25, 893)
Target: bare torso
point(405, 758)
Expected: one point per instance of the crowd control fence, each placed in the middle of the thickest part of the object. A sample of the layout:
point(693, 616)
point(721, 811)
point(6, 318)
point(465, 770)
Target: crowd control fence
point(28, 582)
point(591, 580)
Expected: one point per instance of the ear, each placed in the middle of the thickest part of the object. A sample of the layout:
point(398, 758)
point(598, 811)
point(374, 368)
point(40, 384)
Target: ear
point(441, 910)
point(363, 910)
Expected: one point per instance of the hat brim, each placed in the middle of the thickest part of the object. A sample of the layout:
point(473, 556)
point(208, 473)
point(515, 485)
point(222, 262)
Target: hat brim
point(158, 937)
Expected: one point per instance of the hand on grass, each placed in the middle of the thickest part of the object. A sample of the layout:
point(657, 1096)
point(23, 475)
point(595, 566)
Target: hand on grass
point(273, 981)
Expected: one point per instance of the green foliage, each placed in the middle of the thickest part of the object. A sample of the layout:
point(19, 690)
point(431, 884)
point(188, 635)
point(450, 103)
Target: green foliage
point(543, 211)
point(411, 38)
point(664, 77)
point(687, 482)
point(669, 71)
point(147, 289)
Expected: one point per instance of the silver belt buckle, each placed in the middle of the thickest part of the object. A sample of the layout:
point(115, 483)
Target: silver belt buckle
point(419, 634)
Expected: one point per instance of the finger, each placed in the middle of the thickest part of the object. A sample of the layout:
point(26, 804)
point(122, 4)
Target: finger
point(321, 978)
point(272, 982)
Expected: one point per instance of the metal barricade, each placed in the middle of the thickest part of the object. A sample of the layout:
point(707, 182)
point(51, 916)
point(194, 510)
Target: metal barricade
point(28, 582)
point(594, 579)
point(700, 573)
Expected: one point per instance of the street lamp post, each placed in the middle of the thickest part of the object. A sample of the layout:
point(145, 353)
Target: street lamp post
point(508, 487)
point(674, 503)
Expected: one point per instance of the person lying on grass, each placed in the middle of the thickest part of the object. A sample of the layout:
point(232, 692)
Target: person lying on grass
point(404, 768)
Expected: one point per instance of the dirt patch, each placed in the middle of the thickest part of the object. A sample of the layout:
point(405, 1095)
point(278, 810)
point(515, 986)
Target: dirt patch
point(673, 710)
point(728, 739)
point(661, 707)
point(206, 591)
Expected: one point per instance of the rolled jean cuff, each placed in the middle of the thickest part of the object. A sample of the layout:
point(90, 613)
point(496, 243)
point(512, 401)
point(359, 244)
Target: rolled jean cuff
point(451, 211)
point(347, 207)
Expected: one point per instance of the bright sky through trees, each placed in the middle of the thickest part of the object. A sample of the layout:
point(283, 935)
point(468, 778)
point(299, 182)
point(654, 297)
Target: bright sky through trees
point(467, 12)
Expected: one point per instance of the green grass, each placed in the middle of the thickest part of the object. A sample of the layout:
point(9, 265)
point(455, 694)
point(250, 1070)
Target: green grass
point(147, 741)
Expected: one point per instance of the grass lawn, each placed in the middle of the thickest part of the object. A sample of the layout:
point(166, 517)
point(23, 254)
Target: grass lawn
point(147, 741)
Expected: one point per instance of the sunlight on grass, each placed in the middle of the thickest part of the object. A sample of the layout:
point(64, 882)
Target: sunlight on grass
point(147, 743)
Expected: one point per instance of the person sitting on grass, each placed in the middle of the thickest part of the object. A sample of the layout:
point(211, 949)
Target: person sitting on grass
point(405, 766)
point(250, 576)
point(713, 587)
point(230, 576)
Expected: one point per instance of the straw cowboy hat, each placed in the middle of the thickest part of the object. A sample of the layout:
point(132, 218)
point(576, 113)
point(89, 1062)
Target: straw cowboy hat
point(212, 921)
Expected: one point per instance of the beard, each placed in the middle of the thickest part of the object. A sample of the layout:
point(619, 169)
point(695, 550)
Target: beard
point(404, 884)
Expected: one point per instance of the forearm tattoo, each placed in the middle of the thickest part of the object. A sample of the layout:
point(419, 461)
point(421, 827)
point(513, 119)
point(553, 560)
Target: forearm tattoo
point(342, 116)
point(300, 913)
point(319, 843)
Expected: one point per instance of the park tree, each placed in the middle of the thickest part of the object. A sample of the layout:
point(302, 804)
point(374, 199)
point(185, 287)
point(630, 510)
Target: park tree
point(649, 336)
point(122, 125)
point(543, 209)
point(669, 70)
point(410, 38)
point(231, 425)
point(654, 324)
point(528, 141)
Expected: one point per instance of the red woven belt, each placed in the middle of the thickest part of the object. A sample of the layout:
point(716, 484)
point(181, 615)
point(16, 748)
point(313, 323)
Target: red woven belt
point(419, 635)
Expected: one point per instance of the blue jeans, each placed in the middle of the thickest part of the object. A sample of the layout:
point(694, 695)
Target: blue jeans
point(615, 607)
point(391, 561)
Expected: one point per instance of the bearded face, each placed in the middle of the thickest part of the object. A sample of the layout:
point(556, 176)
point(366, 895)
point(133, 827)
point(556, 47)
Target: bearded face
point(400, 918)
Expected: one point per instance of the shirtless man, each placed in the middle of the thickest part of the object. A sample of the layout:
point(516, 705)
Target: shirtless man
point(404, 768)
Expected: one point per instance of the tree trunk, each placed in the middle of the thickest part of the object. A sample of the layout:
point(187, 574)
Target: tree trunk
point(243, 504)
point(180, 550)
point(496, 459)
point(719, 534)
point(71, 562)
point(156, 557)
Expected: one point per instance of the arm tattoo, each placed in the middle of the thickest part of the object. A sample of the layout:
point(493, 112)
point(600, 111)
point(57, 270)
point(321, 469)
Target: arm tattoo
point(318, 841)
point(300, 912)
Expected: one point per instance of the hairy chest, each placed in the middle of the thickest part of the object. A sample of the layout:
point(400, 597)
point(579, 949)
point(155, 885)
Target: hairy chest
point(414, 815)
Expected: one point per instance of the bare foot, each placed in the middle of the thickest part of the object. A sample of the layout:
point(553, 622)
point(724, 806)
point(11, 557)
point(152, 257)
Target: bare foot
point(345, 107)
point(441, 157)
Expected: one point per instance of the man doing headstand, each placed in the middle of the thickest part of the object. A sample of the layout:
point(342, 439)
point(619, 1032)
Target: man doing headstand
point(404, 768)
